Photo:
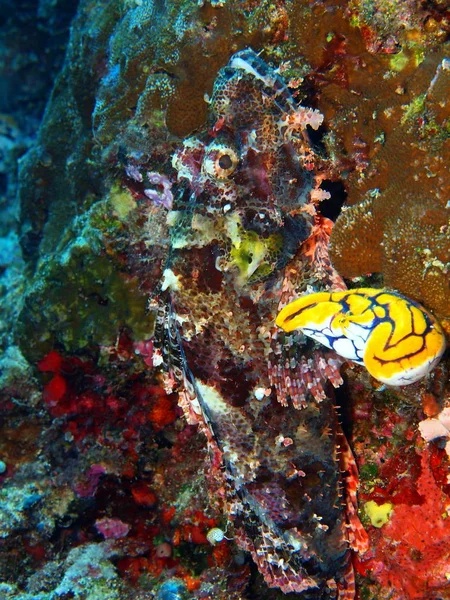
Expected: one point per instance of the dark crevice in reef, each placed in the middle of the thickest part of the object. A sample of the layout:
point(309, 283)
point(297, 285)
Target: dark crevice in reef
point(331, 208)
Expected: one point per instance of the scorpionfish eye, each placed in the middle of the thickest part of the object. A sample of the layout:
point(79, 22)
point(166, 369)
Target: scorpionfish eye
point(395, 338)
point(220, 161)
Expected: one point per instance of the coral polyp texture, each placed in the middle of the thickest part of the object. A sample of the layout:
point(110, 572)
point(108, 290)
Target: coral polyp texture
point(200, 167)
point(400, 224)
point(397, 340)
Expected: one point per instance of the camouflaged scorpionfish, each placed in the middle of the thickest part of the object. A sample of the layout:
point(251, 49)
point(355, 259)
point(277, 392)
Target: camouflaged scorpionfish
point(245, 240)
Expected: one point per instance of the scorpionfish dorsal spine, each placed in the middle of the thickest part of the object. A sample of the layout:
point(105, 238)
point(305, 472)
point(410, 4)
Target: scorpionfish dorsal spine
point(396, 339)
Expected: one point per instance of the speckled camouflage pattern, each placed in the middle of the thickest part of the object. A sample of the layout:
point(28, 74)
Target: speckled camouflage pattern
point(245, 239)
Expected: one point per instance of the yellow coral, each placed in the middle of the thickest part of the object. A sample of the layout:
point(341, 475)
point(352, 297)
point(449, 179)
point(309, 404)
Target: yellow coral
point(379, 514)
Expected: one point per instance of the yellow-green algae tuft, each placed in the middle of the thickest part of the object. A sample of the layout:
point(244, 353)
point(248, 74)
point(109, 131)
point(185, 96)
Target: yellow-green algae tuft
point(379, 514)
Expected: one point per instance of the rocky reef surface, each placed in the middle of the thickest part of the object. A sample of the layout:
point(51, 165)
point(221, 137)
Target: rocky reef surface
point(164, 192)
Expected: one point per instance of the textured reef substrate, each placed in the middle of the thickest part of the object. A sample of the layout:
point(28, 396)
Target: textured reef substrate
point(106, 489)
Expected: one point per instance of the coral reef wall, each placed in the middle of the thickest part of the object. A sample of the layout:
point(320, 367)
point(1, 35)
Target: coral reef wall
point(136, 75)
point(33, 39)
point(106, 491)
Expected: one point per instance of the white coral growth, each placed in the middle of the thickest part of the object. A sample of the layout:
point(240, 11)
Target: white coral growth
point(437, 427)
point(300, 118)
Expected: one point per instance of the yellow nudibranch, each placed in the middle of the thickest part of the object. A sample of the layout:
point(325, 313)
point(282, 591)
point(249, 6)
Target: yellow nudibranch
point(396, 339)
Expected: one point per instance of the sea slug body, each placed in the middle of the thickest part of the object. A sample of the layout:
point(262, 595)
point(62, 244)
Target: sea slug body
point(396, 339)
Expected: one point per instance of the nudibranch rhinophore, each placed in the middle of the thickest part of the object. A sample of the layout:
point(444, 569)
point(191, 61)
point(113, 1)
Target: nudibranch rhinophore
point(396, 339)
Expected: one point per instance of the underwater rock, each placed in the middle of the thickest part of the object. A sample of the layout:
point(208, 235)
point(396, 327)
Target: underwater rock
point(398, 27)
point(132, 70)
point(84, 293)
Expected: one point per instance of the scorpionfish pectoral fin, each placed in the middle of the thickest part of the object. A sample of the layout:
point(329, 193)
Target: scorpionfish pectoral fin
point(397, 340)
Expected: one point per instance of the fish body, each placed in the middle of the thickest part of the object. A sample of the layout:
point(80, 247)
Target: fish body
point(395, 338)
point(242, 210)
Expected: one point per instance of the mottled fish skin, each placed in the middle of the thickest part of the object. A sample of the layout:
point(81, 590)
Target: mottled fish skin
point(261, 397)
point(396, 339)
point(272, 84)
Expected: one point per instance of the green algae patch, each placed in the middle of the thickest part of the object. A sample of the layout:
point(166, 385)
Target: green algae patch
point(411, 57)
point(253, 255)
point(414, 109)
point(122, 202)
point(82, 296)
point(399, 61)
point(368, 472)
